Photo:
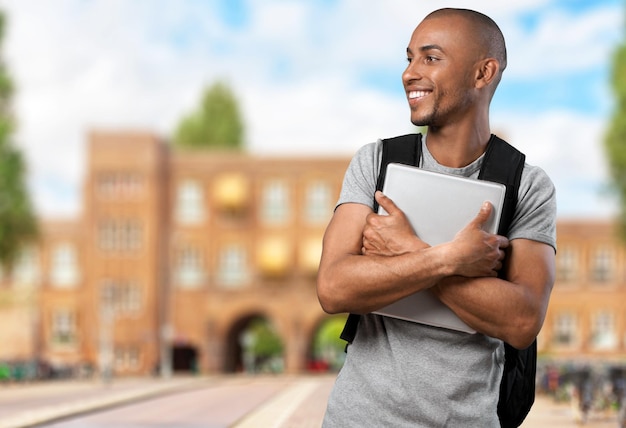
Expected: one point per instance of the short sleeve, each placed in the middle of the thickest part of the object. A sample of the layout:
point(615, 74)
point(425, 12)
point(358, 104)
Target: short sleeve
point(535, 214)
point(359, 182)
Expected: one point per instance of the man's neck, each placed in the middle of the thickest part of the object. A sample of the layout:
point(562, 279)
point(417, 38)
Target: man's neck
point(456, 148)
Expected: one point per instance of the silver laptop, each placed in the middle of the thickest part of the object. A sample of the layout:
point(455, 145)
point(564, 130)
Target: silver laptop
point(437, 206)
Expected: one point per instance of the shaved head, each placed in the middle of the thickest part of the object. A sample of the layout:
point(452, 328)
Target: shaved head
point(485, 32)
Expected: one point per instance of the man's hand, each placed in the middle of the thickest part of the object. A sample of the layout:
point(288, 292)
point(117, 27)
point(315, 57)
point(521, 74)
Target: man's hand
point(477, 253)
point(389, 235)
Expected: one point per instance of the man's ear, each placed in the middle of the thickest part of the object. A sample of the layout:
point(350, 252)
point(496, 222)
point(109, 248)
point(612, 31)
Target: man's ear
point(487, 71)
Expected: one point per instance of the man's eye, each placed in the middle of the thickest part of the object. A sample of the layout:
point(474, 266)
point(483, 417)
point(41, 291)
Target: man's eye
point(409, 60)
point(430, 58)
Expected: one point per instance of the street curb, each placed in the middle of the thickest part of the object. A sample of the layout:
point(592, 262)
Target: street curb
point(51, 414)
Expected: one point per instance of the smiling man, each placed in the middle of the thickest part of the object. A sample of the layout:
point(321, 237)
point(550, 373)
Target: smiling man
point(399, 373)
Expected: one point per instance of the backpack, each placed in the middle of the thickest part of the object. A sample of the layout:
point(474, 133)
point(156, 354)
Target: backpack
point(502, 164)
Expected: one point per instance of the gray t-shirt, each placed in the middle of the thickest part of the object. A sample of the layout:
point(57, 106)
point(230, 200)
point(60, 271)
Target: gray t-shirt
point(404, 374)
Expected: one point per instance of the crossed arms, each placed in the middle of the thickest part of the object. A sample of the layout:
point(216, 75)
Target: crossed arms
point(369, 261)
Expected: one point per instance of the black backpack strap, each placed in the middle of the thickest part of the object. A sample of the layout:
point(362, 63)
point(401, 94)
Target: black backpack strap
point(517, 386)
point(503, 164)
point(405, 149)
point(349, 329)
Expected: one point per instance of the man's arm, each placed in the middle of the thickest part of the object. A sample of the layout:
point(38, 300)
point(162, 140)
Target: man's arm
point(511, 310)
point(349, 281)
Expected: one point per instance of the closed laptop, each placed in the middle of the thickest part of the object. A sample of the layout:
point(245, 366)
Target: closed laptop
point(438, 206)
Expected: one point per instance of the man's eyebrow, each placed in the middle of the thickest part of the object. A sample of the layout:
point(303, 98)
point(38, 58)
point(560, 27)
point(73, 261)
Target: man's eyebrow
point(425, 48)
point(430, 48)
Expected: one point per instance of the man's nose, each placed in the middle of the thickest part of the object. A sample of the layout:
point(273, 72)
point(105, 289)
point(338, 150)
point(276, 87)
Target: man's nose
point(412, 72)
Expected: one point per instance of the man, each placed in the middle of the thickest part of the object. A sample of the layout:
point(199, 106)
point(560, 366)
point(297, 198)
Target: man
point(399, 373)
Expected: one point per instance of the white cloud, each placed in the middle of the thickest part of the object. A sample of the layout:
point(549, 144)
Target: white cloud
point(564, 43)
point(569, 147)
point(143, 64)
point(321, 117)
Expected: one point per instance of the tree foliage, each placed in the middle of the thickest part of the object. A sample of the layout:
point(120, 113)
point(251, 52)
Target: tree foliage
point(267, 343)
point(217, 123)
point(17, 220)
point(328, 346)
point(615, 141)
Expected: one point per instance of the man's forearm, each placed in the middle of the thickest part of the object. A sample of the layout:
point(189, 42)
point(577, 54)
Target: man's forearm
point(494, 307)
point(362, 284)
point(511, 310)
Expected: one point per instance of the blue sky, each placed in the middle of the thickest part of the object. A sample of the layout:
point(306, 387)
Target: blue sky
point(312, 77)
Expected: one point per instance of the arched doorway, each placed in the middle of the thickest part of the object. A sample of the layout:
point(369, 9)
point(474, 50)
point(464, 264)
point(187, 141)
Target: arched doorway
point(327, 348)
point(184, 358)
point(254, 346)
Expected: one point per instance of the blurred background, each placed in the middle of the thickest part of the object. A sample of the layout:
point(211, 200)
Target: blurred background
point(168, 169)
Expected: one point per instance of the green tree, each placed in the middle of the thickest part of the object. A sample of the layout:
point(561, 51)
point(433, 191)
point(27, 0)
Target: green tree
point(217, 123)
point(268, 343)
point(17, 220)
point(615, 141)
point(327, 345)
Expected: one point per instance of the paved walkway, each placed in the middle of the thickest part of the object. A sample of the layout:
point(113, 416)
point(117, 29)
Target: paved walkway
point(300, 404)
point(29, 405)
point(548, 414)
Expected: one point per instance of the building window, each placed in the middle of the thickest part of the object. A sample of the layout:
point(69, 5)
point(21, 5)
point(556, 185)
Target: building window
point(64, 327)
point(64, 266)
point(567, 264)
point(189, 271)
point(121, 297)
point(603, 265)
point(189, 202)
point(127, 358)
point(565, 330)
point(26, 273)
point(603, 334)
point(123, 235)
point(318, 203)
point(275, 203)
point(107, 235)
point(118, 184)
point(233, 266)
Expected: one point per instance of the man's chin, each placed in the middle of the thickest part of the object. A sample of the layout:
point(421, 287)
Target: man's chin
point(420, 122)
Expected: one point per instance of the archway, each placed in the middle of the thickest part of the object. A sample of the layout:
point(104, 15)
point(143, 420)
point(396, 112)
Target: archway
point(327, 348)
point(254, 346)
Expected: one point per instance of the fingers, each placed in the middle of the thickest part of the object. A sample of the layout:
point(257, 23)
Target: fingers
point(371, 247)
point(366, 245)
point(386, 203)
point(483, 215)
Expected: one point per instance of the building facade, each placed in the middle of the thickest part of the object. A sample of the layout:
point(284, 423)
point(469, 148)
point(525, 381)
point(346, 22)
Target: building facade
point(587, 313)
point(175, 252)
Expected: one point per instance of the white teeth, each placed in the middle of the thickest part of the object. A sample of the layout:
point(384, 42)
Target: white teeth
point(417, 94)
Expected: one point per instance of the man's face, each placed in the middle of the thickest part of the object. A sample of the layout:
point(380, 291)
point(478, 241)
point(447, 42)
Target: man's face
point(439, 79)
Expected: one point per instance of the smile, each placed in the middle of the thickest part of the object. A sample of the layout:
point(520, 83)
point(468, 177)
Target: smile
point(417, 94)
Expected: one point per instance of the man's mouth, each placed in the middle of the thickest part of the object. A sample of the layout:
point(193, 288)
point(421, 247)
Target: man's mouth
point(417, 94)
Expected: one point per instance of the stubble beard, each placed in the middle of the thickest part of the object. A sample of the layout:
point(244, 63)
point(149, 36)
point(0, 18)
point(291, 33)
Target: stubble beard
point(440, 114)
point(428, 118)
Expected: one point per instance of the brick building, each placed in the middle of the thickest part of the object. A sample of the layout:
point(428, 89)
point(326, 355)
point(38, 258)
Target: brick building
point(587, 314)
point(175, 252)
